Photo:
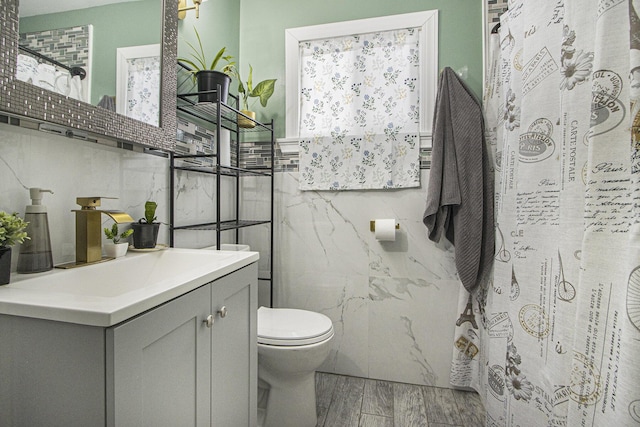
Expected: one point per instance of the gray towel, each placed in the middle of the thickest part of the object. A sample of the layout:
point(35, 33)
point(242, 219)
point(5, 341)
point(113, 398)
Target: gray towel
point(460, 192)
point(107, 102)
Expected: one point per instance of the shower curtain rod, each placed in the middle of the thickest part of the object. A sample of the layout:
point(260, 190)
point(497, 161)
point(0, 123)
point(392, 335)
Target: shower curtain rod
point(75, 71)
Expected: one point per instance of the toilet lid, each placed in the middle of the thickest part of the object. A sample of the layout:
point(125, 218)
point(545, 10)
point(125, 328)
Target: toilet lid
point(289, 327)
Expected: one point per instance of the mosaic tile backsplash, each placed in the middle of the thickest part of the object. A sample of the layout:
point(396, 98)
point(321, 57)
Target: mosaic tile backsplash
point(495, 8)
point(70, 46)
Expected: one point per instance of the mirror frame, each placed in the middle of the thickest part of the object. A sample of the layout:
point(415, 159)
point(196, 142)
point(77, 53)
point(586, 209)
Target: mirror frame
point(24, 100)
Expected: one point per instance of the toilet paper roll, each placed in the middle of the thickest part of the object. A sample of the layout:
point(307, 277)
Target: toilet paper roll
point(386, 230)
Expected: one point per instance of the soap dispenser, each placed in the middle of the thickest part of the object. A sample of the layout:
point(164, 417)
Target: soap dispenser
point(35, 253)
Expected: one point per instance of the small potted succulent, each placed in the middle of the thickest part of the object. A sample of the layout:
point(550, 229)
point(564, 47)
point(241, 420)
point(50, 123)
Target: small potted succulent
point(207, 76)
point(145, 231)
point(116, 248)
point(12, 231)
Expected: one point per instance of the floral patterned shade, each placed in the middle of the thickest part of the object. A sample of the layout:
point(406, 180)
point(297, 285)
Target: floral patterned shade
point(143, 89)
point(359, 112)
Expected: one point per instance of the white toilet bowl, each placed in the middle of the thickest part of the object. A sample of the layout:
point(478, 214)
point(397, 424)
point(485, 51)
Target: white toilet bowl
point(292, 344)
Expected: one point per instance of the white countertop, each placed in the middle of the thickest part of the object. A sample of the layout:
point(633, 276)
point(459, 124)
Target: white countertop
point(110, 292)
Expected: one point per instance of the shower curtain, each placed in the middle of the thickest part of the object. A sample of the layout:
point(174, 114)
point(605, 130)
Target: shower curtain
point(47, 76)
point(553, 338)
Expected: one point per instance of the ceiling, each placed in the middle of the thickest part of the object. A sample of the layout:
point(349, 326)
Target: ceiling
point(41, 7)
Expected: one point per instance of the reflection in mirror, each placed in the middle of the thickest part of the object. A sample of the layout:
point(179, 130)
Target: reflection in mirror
point(57, 38)
point(31, 101)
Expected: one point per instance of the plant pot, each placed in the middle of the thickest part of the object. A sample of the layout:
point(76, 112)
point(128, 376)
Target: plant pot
point(145, 236)
point(5, 265)
point(208, 80)
point(243, 122)
point(116, 250)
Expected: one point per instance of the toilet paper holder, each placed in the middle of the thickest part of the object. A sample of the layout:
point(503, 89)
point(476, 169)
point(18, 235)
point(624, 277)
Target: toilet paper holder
point(372, 225)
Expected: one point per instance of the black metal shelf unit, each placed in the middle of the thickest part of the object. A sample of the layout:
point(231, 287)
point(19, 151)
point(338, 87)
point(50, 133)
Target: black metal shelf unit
point(218, 116)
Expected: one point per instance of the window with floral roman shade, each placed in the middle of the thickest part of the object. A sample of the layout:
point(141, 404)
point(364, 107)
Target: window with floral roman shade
point(359, 111)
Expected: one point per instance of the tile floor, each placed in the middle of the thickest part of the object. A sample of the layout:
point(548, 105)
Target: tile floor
point(349, 401)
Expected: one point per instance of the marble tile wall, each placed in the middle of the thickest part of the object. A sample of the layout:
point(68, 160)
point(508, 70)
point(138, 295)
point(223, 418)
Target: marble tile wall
point(392, 303)
point(72, 168)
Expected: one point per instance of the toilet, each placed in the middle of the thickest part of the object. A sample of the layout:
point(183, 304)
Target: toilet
point(292, 344)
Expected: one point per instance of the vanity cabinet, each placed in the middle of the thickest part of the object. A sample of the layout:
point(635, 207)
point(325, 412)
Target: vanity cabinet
point(190, 361)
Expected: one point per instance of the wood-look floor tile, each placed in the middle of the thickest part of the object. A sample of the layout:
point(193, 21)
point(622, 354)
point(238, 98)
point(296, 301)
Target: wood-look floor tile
point(470, 407)
point(441, 406)
point(378, 398)
point(344, 410)
point(408, 406)
point(348, 401)
point(325, 386)
point(369, 420)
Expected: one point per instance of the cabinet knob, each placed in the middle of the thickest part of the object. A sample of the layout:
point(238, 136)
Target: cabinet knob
point(223, 311)
point(209, 321)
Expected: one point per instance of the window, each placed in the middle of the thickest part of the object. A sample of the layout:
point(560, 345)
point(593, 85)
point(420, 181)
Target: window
point(427, 22)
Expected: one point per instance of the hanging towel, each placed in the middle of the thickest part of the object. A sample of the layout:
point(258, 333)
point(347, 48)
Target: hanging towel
point(460, 191)
point(107, 102)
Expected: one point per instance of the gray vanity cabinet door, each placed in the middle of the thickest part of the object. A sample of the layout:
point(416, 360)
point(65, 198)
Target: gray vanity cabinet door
point(158, 365)
point(51, 373)
point(234, 349)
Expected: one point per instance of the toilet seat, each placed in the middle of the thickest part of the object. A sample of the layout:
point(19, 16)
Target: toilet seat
point(292, 327)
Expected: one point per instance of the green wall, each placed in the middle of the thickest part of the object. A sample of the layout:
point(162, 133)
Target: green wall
point(253, 32)
point(117, 25)
point(218, 26)
point(262, 26)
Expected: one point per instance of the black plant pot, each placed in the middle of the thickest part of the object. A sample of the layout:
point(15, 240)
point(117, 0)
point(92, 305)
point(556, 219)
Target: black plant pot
point(5, 265)
point(208, 80)
point(145, 236)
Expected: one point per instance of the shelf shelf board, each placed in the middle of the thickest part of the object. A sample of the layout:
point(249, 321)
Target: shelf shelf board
point(224, 225)
point(224, 170)
point(208, 111)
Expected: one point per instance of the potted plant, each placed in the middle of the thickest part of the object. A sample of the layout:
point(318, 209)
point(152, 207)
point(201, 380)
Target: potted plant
point(262, 90)
point(117, 248)
point(207, 76)
point(12, 231)
point(145, 231)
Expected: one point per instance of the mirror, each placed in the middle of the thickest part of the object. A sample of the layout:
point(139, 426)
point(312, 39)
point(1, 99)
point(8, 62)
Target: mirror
point(75, 49)
point(42, 103)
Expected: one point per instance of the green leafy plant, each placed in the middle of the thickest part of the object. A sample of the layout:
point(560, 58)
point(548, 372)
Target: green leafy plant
point(200, 62)
point(149, 213)
point(12, 229)
point(262, 90)
point(112, 234)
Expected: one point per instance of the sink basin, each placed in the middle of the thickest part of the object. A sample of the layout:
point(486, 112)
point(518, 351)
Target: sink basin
point(106, 293)
point(126, 274)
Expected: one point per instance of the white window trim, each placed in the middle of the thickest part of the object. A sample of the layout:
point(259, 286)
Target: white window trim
point(428, 23)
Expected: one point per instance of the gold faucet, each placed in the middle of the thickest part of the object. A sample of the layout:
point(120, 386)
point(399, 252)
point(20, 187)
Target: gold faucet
point(89, 231)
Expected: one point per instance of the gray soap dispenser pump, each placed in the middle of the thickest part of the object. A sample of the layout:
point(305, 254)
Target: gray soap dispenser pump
point(35, 253)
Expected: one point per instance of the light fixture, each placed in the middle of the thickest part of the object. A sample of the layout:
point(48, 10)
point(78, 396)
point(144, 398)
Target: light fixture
point(182, 8)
